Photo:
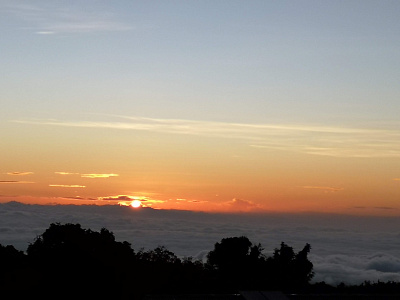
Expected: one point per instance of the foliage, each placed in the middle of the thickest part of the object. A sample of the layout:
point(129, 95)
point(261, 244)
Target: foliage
point(237, 261)
point(290, 269)
point(67, 259)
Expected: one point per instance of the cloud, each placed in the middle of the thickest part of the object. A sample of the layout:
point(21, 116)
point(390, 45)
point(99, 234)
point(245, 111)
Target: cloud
point(45, 32)
point(384, 207)
point(53, 18)
point(91, 175)
point(75, 197)
point(15, 181)
point(344, 248)
point(98, 175)
point(396, 179)
point(65, 173)
point(20, 173)
point(144, 197)
point(67, 185)
point(313, 140)
point(242, 205)
point(126, 200)
point(116, 198)
point(353, 269)
point(323, 188)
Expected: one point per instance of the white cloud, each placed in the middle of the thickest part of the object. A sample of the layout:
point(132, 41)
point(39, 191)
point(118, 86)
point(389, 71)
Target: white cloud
point(354, 269)
point(314, 140)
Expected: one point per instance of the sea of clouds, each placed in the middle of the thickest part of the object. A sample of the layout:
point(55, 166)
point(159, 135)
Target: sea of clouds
point(349, 249)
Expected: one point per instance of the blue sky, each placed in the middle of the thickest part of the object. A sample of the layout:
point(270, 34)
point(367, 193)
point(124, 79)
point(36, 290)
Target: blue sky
point(301, 61)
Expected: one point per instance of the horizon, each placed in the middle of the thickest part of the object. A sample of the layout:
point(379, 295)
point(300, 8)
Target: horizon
point(220, 107)
point(343, 248)
point(260, 213)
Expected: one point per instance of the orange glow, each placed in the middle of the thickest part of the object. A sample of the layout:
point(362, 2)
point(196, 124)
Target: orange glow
point(136, 203)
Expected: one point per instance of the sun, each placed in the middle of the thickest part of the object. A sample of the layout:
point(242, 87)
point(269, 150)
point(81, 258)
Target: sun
point(136, 203)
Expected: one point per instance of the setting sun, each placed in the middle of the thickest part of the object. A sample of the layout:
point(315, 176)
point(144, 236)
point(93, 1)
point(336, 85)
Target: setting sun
point(136, 203)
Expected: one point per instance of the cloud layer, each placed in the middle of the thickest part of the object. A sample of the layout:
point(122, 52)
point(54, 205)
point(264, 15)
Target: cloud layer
point(344, 248)
point(315, 140)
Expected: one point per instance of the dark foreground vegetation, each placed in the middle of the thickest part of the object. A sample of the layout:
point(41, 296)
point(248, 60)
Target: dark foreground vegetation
point(69, 262)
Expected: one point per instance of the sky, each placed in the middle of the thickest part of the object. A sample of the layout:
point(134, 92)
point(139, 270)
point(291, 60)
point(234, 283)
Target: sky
point(219, 106)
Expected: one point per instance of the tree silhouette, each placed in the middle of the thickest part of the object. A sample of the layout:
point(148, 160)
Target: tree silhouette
point(67, 261)
point(237, 261)
point(288, 269)
point(159, 255)
point(67, 255)
point(72, 262)
point(10, 260)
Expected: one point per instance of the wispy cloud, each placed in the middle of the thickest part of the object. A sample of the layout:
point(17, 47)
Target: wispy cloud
point(396, 179)
point(314, 140)
point(98, 175)
point(65, 173)
point(14, 181)
point(67, 185)
point(54, 18)
point(323, 188)
point(384, 207)
point(117, 198)
point(45, 32)
point(89, 175)
point(19, 173)
point(126, 200)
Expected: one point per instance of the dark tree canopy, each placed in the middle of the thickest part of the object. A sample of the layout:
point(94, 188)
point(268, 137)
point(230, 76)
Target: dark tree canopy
point(289, 268)
point(236, 260)
point(68, 255)
point(69, 258)
point(69, 262)
point(72, 241)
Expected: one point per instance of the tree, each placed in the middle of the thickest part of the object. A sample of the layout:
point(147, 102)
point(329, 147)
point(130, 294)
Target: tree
point(10, 259)
point(236, 261)
point(290, 270)
point(159, 255)
point(239, 263)
point(72, 242)
point(68, 255)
